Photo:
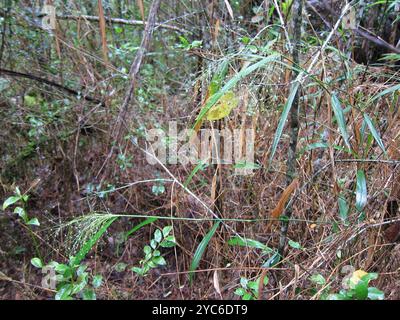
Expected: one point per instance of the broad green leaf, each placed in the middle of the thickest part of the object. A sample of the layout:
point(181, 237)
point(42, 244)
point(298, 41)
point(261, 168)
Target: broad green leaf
point(36, 262)
point(231, 83)
point(361, 191)
point(159, 261)
point(361, 290)
point(64, 293)
point(89, 294)
point(283, 118)
point(166, 230)
point(33, 222)
point(140, 225)
point(339, 114)
point(21, 212)
point(200, 250)
point(240, 291)
point(374, 132)
point(375, 294)
point(9, 201)
point(158, 235)
point(91, 242)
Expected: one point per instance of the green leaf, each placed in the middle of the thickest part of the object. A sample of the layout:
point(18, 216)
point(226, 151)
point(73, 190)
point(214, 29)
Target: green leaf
point(137, 270)
point(374, 132)
point(97, 280)
point(10, 201)
point(36, 262)
point(166, 230)
point(21, 212)
point(231, 83)
point(276, 257)
point(318, 279)
point(246, 165)
point(159, 261)
point(88, 294)
point(240, 291)
point(295, 244)
point(200, 250)
point(385, 92)
point(33, 222)
point(140, 225)
point(361, 190)
point(200, 166)
point(147, 249)
point(247, 296)
point(120, 267)
point(244, 242)
point(375, 294)
point(158, 235)
point(343, 209)
point(282, 119)
point(339, 114)
point(91, 242)
point(64, 293)
point(361, 290)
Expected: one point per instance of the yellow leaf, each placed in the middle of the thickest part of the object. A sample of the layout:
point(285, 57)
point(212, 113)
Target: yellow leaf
point(356, 277)
point(223, 107)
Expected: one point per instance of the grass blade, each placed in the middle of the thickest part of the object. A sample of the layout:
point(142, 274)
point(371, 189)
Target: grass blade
point(283, 119)
point(200, 250)
point(140, 225)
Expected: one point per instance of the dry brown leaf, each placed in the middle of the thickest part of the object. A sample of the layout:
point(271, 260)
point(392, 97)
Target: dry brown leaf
point(216, 283)
point(276, 213)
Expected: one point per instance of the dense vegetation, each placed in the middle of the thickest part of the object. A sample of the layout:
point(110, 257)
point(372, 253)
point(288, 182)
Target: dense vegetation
point(306, 95)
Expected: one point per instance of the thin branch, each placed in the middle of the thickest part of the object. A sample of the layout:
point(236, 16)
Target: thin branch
point(121, 21)
point(50, 83)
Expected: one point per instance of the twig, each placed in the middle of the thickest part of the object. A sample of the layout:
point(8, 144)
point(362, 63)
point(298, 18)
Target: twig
point(122, 21)
point(50, 83)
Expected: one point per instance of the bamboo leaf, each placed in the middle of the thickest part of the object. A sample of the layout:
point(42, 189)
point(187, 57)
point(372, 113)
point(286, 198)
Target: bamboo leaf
point(374, 132)
point(385, 92)
point(339, 114)
point(200, 250)
point(223, 107)
point(361, 190)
